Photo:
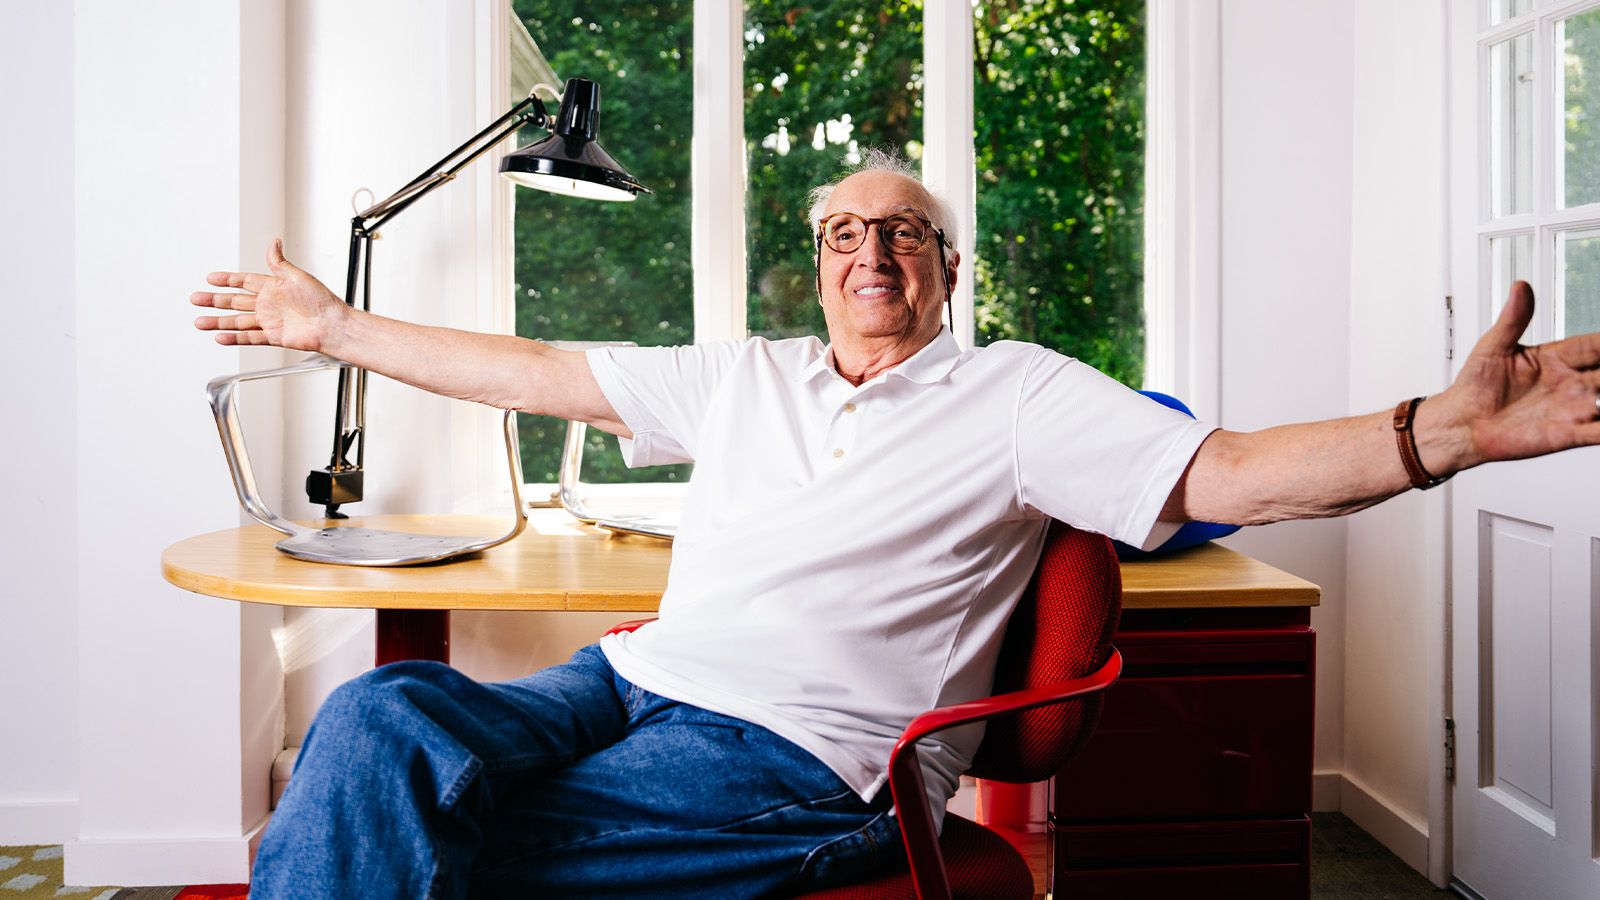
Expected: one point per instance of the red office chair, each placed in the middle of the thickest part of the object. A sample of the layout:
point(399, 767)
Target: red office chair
point(1055, 659)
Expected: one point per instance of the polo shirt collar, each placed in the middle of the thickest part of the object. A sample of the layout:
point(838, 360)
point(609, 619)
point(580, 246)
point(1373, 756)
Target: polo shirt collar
point(932, 363)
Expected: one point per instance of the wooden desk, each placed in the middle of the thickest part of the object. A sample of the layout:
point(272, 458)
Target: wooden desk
point(559, 564)
point(1197, 782)
point(556, 564)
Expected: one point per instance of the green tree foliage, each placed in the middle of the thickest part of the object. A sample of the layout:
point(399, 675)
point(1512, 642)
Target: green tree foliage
point(1581, 108)
point(1059, 96)
point(1059, 141)
point(588, 271)
point(821, 81)
point(1581, 275)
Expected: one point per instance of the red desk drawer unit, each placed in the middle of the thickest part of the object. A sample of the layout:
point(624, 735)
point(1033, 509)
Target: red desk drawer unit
point(1197, 780)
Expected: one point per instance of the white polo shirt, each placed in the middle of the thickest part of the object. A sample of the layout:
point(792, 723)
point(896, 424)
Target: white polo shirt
point(848, 556)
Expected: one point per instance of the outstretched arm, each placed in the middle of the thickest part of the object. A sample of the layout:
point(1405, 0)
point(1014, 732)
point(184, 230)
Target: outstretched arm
point(289, 308)
point(1509, 402)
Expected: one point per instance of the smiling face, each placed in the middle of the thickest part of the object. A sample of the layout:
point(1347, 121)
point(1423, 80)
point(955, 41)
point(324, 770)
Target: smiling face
point(878, 302)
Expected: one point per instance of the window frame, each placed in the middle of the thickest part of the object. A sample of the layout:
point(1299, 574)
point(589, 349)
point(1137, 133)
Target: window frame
point(1548, 217)
point(1182, 178)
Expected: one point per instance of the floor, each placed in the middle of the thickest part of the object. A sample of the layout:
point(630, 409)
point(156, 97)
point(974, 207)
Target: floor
point(35, 873)
point(1346, 864)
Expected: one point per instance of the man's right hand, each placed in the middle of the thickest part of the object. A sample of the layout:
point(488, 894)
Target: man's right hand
point(288, 308)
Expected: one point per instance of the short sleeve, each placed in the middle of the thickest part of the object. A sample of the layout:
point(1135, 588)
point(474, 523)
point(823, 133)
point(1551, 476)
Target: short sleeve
point(661, 394)
point(1096, 454)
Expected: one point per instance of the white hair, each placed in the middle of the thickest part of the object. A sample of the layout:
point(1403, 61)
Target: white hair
point(879, 160)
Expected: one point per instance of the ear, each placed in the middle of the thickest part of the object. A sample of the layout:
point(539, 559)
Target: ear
point(952, 266)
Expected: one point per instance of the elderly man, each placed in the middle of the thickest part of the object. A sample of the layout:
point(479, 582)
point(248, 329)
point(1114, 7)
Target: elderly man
point(862, 517)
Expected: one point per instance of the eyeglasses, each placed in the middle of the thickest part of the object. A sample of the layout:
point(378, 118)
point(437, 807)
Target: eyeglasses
point(903, 233)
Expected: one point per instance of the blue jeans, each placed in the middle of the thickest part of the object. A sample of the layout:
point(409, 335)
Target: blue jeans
point(416, 781)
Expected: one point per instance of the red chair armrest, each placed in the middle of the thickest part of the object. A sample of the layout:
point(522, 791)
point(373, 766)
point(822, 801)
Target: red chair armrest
point(905, 772)
point(630, 625)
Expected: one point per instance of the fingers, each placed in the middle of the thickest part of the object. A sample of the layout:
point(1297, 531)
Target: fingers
point(1506, 333)
point(250, 281)
point(227, 323)
point(1575, 398)
point(1587, 434)
point(276, 261)
point(255, 281)
point(240, 302)
point(242, 339)
point(1579, 351)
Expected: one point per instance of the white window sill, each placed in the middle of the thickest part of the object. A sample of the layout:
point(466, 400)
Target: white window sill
point(615, 499)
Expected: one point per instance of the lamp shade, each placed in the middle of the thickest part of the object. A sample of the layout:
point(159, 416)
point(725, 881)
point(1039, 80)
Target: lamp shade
point(570, 161)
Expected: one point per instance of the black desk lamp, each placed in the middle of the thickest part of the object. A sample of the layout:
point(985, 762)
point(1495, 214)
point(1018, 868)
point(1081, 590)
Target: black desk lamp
point(569, 161)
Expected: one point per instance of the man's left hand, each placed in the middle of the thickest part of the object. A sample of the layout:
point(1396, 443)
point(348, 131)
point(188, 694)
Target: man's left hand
point(1512, 401)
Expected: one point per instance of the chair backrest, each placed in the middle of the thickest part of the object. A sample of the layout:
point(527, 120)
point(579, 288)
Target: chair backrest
point(1060, 629)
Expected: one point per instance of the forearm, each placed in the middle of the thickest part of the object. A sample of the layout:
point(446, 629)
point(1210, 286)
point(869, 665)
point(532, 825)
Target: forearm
point(1314, 469)
point(1509, 401)
point(498, 370)
point(290, 308)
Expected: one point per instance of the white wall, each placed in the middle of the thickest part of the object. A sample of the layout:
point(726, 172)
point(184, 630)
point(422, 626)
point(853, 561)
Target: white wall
point(1286, 121)
point(1393, 764)
point(38, 545)
point(130, 177)
point(178, 117)
point(1332, 294)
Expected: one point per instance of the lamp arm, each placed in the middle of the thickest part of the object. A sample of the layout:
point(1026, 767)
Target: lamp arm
point(444, 170)
point(341, 481)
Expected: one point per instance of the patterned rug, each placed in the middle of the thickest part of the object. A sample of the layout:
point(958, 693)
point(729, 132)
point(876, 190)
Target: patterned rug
point(35, 873)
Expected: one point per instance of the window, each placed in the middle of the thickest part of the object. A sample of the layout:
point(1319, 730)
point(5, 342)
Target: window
point(1060, 178)
point(588, 271)
point(1059, 93)
point(822, 83)
point(1540, 211)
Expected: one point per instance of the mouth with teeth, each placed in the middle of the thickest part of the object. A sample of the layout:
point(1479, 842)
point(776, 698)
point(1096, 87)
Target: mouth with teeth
point(873, 291)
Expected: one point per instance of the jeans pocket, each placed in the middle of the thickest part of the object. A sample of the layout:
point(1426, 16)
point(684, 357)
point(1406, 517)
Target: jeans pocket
point(867, 851)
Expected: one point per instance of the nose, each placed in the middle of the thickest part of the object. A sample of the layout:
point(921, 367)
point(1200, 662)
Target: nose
point(872, 254)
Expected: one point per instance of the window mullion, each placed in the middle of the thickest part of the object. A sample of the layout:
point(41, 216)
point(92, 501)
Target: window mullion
point(718, 171)
point(1183, 173)
point(948, 164)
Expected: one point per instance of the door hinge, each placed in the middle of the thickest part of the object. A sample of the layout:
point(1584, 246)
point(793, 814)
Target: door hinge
point(1449, 327)
point(1449, 750)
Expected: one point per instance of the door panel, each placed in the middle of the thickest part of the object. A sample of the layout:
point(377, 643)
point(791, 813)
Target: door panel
point(1514, 560)
point(1525, 536)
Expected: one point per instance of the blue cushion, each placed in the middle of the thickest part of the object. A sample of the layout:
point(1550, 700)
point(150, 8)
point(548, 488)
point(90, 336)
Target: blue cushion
point(1191, 533)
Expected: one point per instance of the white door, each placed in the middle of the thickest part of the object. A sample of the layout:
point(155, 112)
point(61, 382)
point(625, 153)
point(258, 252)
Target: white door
point(1525, 536)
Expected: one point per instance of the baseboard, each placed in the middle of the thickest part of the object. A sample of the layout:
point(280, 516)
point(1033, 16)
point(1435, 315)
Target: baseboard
point(147, 862)
point(38, 821)
point(1325, 787)
point(1406, 837)
point(282, 768)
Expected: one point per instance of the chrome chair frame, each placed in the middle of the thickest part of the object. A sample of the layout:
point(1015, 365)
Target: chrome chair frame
point(346, 545)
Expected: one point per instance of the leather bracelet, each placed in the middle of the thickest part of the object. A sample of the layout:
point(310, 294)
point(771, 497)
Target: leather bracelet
point(1407, 442)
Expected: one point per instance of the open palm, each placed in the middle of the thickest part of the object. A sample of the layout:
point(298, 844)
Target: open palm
point(287, 308)
point(1526, 401)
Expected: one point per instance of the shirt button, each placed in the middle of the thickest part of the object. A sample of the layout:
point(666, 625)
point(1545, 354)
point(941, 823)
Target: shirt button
point(838, 452)
point(849, 407)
